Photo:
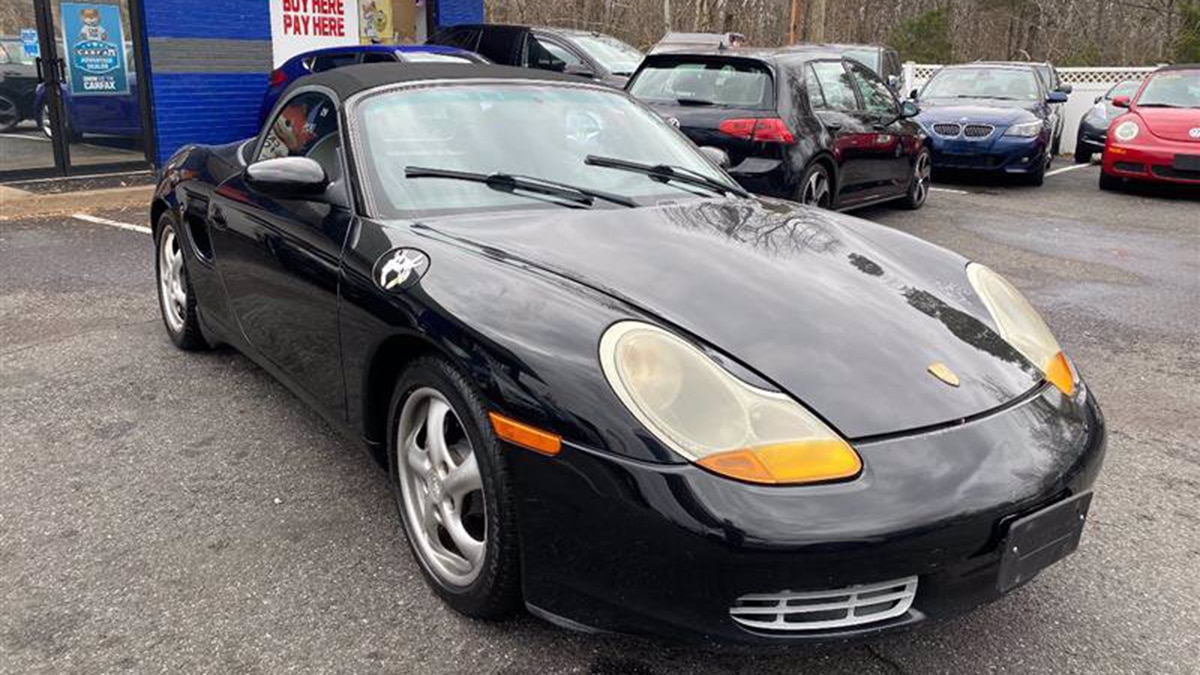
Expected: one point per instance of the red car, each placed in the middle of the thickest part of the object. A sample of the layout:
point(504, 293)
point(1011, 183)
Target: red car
point(1158, 139)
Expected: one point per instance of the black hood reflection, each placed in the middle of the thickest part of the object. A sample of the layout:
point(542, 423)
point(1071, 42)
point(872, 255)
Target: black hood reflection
point(770, 285)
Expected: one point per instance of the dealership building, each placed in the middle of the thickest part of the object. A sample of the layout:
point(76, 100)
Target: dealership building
point(190, 72)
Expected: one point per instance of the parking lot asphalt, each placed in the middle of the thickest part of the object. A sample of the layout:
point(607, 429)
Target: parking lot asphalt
point(166, 512)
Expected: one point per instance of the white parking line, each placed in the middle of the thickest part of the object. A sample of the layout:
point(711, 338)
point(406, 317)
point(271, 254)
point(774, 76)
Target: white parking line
point(22, 137)
point(949, 191)
point(111, 223)
point(1073, 167)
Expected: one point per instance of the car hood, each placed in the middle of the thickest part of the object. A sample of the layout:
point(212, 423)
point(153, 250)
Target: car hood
point(1172, 124)
point(978, 110)
point(845, 315)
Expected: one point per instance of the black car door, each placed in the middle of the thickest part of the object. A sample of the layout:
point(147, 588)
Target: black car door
point(279, 258)
point(834, 101)
point(888, 153)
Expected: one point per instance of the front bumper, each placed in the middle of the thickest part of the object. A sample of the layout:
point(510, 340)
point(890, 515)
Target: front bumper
point(1152, 161)
point(1093, 134)
point(616, 545)
point(1006, 154)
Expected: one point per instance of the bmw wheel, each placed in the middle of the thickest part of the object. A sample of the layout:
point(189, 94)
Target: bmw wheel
point(816, 188)
point(10, 114)
point(175, 297)
point(918, 186)
point(453, 491)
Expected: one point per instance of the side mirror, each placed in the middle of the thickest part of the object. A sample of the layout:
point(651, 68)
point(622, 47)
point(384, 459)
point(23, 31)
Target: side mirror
point(909, 109)
point(716, 156)
point(290, 177)
point(914, 94)
point(1065, 88)
point(1121, 102)
point(579, 70)
point(1056, 97)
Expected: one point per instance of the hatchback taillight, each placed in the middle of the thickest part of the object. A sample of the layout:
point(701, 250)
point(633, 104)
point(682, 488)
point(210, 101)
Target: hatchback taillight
point(278, 78)
point(765, 130)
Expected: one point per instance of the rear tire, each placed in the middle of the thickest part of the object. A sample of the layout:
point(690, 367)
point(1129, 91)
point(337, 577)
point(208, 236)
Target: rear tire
point(1110, 183)
point(816, 187)
point(446, 525)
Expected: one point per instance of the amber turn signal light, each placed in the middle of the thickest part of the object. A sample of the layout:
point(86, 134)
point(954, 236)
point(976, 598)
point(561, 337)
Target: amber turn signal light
point(798, 462)
point(1059, 373)
point(526, 436)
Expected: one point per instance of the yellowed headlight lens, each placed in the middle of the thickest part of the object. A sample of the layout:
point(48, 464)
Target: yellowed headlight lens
point(1022, 326)
point(701, 411)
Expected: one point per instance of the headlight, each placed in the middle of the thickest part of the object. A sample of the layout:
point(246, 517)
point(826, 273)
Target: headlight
point(1126, 131)
point(699, 410)
point(1021, 326)
point(1025, 129)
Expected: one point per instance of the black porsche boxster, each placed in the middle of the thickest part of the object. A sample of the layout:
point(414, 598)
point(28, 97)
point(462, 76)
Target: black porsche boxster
point(612, 387)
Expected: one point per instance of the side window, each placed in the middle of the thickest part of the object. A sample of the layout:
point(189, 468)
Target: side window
point(561, 53)
point(330, 61)
point(876, 96)
point(306, 126)
point(378, 57)
point(541, 55)
point(835, 85)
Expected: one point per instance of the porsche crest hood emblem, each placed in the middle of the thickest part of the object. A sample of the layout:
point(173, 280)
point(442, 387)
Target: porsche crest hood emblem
point(942, 372)
point(400, 268)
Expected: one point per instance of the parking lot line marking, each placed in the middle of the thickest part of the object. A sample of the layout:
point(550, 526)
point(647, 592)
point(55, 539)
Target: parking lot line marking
point(111, 223)
point(22, 137)
point(1065, 169)
point(949, 191)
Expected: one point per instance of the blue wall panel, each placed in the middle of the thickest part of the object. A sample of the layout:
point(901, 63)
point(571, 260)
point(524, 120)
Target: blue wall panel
point(453, 12)
point(205, 108)
point(236, 19)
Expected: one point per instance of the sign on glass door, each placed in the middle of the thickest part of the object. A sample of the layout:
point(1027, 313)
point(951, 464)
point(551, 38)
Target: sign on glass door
point(95, 44)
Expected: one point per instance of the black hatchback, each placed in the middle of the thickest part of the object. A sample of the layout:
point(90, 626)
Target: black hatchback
point(801, 123)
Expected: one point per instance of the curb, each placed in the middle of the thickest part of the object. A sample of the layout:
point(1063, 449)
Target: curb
point(16, 204)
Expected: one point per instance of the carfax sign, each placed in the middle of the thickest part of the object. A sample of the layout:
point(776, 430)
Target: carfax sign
point(95, 49)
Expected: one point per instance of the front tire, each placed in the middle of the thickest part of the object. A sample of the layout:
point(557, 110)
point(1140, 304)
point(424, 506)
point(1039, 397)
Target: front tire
point(1110, 183)
point(918, 187)
point(1037, 177)
point(1083, 154)
point(816, 187)
point(176, 300)
point(453, 490)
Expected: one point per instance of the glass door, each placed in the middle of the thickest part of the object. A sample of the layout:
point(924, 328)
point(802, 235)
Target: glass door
point(101, 112)
point(24, 148)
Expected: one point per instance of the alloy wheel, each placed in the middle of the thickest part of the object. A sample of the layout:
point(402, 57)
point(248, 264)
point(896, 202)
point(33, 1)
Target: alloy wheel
point(442, 489)
point(45, 122)
point(9, 116)
point(172, 286)
point(922, 171)
point(816, 190)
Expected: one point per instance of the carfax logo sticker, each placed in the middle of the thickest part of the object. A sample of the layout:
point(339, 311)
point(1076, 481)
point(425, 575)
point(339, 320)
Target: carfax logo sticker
point(95, 40)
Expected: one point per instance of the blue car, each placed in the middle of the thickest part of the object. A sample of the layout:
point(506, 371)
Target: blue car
point(107, 115)
point(990, 117)
point(320, 60)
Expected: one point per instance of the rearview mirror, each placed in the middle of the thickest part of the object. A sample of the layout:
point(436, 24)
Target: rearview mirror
point(1056, 97)
point(909, 109)
point(716, 155)
point(1121, 102)
point(295, 177)
point(579, 70)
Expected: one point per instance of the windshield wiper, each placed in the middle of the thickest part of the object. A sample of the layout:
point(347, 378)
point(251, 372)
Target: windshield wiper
point(505, 182)
point(1158, 105)
point(664, 173)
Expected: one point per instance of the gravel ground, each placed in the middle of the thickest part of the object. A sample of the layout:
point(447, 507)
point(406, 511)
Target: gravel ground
point(162, 511)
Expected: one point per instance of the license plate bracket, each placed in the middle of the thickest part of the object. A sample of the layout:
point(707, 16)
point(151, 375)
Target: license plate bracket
point(1040, 539)
point(1187, 163)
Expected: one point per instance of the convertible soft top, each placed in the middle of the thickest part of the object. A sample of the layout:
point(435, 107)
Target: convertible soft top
point(352, 79)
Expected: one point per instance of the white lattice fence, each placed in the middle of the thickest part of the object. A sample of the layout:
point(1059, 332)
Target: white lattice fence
point(1087, 84)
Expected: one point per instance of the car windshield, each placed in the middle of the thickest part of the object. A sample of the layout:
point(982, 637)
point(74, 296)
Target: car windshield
point(735, 84)
point(538, 131)
point(617, 57)
point(1172, 89)
point(431, 57)
point(1017, 84)
point(16, 53)
point(1125, 88)
point(867, 57)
